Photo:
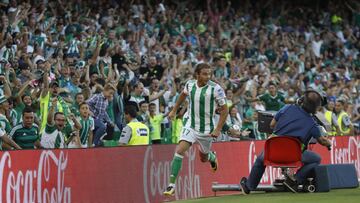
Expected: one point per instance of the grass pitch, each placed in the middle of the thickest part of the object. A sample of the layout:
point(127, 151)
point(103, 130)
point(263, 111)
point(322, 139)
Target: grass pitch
point(334, 196)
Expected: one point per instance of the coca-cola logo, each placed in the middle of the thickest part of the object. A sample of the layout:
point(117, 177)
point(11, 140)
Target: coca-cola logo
point(156, 176)
point(28, 186)
point(349, 153)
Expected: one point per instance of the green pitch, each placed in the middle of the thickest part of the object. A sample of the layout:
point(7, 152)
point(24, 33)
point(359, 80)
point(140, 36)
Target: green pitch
point(334, 196)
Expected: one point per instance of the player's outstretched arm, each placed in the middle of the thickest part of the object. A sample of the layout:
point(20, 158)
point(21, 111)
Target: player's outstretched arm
point(178, 103)
point(223, 115)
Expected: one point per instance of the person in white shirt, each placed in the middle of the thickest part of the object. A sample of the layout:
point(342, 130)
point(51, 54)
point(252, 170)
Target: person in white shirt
point(53, 137)
point(316, 45)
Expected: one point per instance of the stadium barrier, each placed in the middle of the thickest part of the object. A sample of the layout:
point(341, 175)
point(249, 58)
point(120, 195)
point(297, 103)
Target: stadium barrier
point(136, 174)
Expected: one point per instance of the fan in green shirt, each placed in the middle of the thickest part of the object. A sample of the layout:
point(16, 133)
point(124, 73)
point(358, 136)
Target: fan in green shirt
point(273, 100)
point(86, 125)
point(26, 134)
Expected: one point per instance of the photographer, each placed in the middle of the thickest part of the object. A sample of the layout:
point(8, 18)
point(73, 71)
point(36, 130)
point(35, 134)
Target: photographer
point(295, 121)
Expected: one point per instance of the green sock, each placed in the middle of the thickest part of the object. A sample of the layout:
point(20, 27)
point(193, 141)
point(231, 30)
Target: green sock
point(175, 167)
point(211, 156)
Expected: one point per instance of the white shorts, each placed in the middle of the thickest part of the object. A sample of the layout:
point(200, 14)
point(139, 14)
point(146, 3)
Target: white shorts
point(191, 136)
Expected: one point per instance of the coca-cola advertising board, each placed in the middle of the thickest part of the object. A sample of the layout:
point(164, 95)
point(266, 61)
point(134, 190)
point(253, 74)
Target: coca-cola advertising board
point(136, 174)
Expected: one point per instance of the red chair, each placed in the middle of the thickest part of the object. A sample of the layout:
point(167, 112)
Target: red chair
point(283, 152)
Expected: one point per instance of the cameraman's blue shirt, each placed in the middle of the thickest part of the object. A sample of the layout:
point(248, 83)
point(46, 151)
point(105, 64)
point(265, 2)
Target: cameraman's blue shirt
point(292, 120)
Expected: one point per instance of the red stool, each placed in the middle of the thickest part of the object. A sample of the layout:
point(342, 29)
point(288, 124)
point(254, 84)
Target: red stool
point(283, 152)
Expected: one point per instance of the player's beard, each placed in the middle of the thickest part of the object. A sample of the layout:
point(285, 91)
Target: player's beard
point(202, 82)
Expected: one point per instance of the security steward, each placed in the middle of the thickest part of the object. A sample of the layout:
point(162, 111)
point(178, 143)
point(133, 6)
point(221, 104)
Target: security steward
point(343, 119)
point(135, 132)
point(295, 120)
point(331, 118)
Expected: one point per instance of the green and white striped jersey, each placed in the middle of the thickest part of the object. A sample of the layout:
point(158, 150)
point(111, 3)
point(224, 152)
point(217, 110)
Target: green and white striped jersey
point(74, 46)
point(7, 53)
point(202, 105)
point(86, 126)
point(5, 124)
point(13, 116)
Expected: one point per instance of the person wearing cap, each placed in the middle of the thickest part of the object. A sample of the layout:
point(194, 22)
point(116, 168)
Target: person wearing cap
point(48, 92)
point(40, 62)
point(343, 119)
point(316, 85)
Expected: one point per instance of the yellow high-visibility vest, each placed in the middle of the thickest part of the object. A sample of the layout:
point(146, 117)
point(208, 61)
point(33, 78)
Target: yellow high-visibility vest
point(328, 117)
point(44, 108)
point(343, 130)
point(140, 134)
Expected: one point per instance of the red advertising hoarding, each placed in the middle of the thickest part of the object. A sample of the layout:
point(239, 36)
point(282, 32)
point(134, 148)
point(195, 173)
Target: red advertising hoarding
point(136, 174)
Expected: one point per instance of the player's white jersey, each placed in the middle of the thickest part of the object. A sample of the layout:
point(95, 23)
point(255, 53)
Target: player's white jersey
point(202, 105)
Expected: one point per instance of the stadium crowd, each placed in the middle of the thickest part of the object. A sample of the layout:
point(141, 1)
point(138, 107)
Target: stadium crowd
point(74, 71)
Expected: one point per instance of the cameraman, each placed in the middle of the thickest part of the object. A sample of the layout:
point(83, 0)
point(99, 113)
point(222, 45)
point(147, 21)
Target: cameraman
point(295, 121)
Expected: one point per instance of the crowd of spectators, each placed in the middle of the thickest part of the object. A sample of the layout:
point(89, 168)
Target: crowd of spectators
point(81, 62)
